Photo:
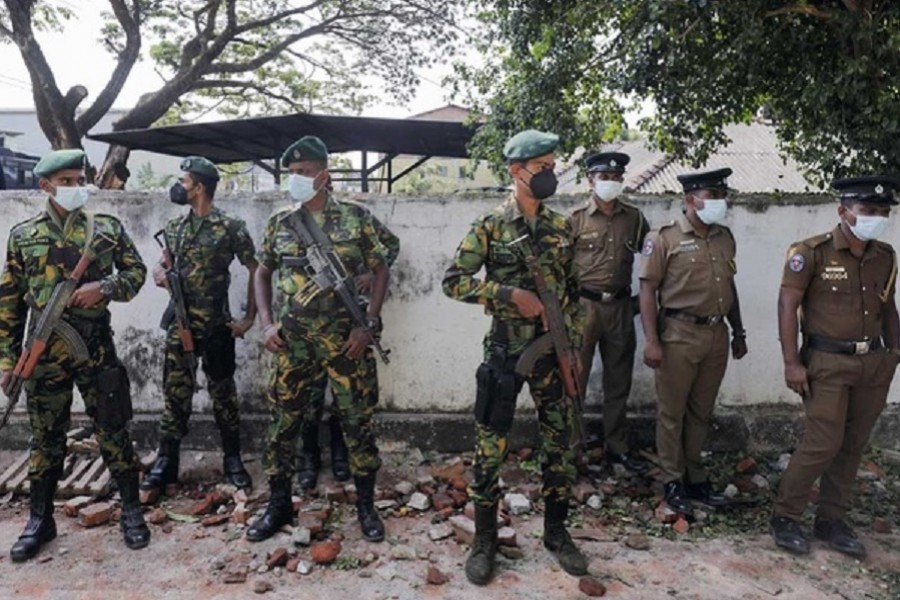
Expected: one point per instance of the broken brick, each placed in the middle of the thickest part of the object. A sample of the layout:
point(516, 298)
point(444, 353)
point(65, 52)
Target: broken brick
point(210, 503)
point(748, 465)
point(464, 528)
point(591, 586)
point(71, 507)
point(213, 520)
point(157, 516)
point(324, 553)
point(95, 514)
point(310, 521)
point(441, 501)
point(240, 514)
point(681, 525)
point(447, 472)
point(278, 558)
point(435, 577)
point(664, 514)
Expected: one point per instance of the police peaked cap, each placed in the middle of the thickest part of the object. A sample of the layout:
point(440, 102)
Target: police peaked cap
point(703, 180)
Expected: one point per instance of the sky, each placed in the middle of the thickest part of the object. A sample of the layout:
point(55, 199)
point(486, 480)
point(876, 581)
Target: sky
point(70, 51)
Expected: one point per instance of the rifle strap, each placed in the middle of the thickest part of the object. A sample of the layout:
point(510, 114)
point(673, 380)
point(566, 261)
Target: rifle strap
point(88, 230)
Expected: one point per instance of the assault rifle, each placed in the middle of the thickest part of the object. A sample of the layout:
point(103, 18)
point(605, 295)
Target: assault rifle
point(49, 321)
point(557, 339)
point(325, 271)
point(176, 294)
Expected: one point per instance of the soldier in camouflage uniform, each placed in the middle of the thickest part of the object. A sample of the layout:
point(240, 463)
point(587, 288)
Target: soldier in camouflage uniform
point(203, 243)
point(315, 334)
point(41, 253)
point(508, 293)
point(310, 456)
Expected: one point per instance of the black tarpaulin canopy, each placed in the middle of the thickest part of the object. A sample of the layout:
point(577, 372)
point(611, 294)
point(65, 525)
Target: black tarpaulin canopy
point(265, 138)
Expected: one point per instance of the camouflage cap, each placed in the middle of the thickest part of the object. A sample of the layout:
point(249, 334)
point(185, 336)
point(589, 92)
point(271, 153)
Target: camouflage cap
point(59, 160)
point(309, 147)
point(200, 166)
point(530, 143)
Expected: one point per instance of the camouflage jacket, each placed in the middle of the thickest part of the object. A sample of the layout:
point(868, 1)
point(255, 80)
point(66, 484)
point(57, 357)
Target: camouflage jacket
point(488, 244)
point(387, 238)
point(203, 249)
point(351, 230)
point(42, 251)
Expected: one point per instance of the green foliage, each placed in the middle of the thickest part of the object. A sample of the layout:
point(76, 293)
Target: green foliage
point(827, 73)
point(146, 180)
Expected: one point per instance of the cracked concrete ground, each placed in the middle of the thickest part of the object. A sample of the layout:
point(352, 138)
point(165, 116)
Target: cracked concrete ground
point(726, 557)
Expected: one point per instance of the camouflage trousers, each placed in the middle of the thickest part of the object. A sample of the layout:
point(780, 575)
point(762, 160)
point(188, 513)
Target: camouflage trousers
point(49, 394)
point(318, 393)
point(214, 349)
point(503, 345)
point(312, 359)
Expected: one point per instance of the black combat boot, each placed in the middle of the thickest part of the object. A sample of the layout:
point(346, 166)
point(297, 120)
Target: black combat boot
point(677, 499)
point(789, 534)
point(163, 472)
point(369, 520)
point(340, 456)
point(279, 512)
point(839, 537)
point(134, 529)
point(558, 541)
point(480, 564)
point(232, 465)
point(310, 458)
point(41, 528)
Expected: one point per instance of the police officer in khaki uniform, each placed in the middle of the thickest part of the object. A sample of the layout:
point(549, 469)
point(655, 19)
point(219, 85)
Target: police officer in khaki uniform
point(687, 293)
point(843, 284)
point(607, 233)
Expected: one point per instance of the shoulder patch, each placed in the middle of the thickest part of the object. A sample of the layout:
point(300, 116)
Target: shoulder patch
point(647, 249)
point(797, 262)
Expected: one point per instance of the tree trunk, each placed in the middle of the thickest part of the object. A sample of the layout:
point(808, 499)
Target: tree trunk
point(114, 155)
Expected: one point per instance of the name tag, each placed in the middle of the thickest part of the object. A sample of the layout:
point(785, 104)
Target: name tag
point(688, 246)
point(834, 274)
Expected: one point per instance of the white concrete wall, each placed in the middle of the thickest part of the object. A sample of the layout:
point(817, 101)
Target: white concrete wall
point(436, 342)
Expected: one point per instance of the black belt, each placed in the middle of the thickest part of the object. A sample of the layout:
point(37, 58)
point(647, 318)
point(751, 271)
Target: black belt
point(619, 294)
point(818, 342)
point(690, 318)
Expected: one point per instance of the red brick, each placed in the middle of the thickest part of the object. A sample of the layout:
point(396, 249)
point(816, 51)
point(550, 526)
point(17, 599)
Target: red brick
point(213, 520)
point(240, 514)
point(748, 465)
point(681, 526)
point(440, 500)
point(311, 521)
point(291, 565)
point(591, 587)
point(435, 576)
point(95, 514)
point(157, 516)
point(278, 558)
point(324, 553)
point(459, 483)
point(71, 507)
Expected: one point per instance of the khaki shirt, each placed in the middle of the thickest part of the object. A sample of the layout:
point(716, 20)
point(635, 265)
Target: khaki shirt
point(694, 273)
point(605, 246)
point(844, 296)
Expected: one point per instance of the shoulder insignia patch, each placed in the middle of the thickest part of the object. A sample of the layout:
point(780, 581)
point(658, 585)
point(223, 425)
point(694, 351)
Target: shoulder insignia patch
point(647, 250)
point(797, 263)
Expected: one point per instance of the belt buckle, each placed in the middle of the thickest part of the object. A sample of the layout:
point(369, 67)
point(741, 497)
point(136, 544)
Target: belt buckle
point(607, 296)
point(861, 347)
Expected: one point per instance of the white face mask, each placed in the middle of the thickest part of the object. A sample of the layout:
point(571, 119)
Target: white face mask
point(300, 187)
point(869, 227)
point(713, 211)
point(607, 191)
point(72, 198)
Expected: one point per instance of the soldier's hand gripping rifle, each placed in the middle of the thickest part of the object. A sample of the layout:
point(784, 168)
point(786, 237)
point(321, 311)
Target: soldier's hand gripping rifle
point(326, 272)
point(557, 339)
point(176, 294)
point(49, 321)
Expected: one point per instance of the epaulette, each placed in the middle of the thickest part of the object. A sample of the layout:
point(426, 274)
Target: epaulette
point(584, 206)
point(671, 223)
point(816, 240)
point(885, 247)
point(26, 222)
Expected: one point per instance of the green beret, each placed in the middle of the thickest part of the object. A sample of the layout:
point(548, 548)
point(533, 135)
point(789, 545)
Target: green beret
point(200, 166)
point(530, 143)
point(309, 147)
point(59, 160)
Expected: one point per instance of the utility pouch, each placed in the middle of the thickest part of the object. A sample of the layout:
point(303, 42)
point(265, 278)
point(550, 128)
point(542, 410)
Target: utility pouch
point(114, 408)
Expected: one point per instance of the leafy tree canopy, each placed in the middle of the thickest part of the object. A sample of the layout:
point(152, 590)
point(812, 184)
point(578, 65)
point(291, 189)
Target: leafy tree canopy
point(826, 72)
point(238, 57)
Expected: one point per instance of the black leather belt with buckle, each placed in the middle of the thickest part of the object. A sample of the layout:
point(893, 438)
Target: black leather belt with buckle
point(818, 342)
point(691, 318)
point(619, 294)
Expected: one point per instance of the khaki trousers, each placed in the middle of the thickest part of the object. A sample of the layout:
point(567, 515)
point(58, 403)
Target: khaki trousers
point(847, 394)
point(694, 362)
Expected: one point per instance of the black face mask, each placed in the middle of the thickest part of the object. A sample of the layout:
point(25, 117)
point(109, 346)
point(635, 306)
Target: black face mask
point(177, 194)
point(543, 184)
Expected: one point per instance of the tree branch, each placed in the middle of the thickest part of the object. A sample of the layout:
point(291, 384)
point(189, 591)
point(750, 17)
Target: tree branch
point(130, 23)
point(260, 60)
point(243, 86)
point(804, 9)
point(260, 23)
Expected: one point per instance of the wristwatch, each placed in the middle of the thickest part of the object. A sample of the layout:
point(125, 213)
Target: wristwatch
point(373, 323)
point(107, 289)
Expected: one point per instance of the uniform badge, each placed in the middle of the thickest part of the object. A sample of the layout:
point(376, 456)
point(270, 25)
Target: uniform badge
point(647, 250)
point(613, 163)
point(296, 153)
point(796, 263)
point(879, 189)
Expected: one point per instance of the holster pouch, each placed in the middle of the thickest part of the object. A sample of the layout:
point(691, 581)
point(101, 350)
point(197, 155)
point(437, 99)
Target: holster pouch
point(114, 408)
point(219, 359)
point(497, 388)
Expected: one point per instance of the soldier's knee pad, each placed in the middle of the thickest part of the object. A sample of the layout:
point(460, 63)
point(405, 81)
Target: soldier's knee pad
point(495, 397)
point(113, 408)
